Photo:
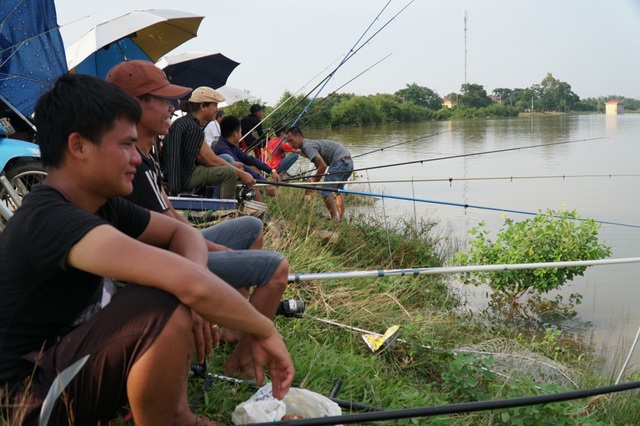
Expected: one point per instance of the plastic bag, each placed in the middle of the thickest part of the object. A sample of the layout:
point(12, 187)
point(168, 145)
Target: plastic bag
point(263, 407)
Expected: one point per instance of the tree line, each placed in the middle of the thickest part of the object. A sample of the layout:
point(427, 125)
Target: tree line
point(418, 103)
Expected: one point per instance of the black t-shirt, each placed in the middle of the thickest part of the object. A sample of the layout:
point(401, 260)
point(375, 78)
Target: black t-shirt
point(147, 186)
point(247, 124)
point(40, 295)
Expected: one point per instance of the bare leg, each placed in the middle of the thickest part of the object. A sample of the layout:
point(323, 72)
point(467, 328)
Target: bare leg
point(157, 381)
point(340, 204)
point(331, 206)
point(265, 299)
point(257, 244)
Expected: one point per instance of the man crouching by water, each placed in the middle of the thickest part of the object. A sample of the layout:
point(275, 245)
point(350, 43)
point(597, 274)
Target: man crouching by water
point(330, 158)
point(74, 229)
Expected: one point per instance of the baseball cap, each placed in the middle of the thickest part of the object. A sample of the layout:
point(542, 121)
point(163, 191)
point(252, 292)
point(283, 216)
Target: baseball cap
point(255, 108)
point(140, 77)
point(205, 94)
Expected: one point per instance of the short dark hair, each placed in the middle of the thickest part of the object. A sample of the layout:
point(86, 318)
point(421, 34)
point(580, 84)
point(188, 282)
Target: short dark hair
point(83, 104)
point(228, 125)
point(195, 106)
point(295, 131)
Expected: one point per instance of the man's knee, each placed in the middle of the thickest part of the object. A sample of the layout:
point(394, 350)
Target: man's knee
point(280, 277)
point(180, 321)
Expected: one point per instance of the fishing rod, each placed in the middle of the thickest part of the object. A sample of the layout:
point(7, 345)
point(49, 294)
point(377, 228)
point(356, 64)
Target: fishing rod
point(320, 101)
point(414, 272)
point(451, 180)
point(335, 91)
point(377, 149)
point(285, 102)
point(349, 56)
point(324, 80)
point(424, 200)
point(457, 408)
point(494, 151)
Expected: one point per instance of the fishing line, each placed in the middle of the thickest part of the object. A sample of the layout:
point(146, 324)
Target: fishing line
point(346, 57)
point(445, 203)
point(349, 56)
point(371, 152)
point(522, 357)
point(451, 180)
point(426, 160)
point(335, 91)
point(285, 102)
point(324, 81)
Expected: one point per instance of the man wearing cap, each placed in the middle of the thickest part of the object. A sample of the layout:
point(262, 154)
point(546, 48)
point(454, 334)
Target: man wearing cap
point(332, 160)
point(229, 243)
point(75, 228)
point(188, 162)
point(252, 126)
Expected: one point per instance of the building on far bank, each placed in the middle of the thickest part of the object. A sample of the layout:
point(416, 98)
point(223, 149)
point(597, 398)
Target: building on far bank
point(447, 103)
point(614, 106)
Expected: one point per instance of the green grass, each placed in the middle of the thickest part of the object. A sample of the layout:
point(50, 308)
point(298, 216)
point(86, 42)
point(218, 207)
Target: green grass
point(406, 375)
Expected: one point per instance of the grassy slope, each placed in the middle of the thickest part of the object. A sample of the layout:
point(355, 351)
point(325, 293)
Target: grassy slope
point(405, 375)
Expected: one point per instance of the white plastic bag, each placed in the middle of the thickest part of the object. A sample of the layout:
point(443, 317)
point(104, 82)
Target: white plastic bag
point(263, 407)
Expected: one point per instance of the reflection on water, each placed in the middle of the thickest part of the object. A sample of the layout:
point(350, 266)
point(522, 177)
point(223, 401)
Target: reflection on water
point(599, 145)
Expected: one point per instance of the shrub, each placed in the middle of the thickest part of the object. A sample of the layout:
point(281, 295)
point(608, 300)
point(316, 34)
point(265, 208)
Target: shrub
point(550, 237)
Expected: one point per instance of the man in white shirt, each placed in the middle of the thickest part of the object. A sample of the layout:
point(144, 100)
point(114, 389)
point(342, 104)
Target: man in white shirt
point(212, 131)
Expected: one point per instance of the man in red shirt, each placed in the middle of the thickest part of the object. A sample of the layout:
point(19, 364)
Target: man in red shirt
point(276, 153)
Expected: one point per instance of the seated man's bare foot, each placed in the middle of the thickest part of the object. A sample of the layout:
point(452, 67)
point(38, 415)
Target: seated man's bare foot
point(229, 335)
point(240, 363)
point(188, 418)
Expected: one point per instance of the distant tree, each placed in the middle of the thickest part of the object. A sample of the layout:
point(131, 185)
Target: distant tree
point(505, 95)
point(421, 95)
point(557, 95)
point(474, 96)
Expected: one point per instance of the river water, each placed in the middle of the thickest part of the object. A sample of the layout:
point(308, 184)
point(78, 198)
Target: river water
point(600, 145)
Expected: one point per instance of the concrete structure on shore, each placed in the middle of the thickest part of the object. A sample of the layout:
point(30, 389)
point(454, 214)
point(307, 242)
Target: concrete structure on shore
point(614, 107)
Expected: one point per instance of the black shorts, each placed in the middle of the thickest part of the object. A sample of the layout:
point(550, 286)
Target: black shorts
point(114, 338)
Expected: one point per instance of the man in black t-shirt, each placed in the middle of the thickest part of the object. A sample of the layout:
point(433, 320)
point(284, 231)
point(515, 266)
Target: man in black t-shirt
point(252, 129)
point(69, 232)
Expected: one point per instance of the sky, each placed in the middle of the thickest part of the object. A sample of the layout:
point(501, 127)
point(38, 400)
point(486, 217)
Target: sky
point(594, 45)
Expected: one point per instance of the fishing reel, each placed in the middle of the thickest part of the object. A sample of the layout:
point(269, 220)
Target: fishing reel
point(290, 308)
point(244, 193)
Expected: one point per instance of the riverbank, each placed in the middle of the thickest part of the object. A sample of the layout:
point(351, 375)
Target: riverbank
point(440, 362)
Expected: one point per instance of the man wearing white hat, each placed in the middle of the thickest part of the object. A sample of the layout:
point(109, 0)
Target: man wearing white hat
point(188, 161)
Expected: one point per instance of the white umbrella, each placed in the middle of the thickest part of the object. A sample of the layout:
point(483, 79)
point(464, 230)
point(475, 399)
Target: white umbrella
point(151, 33)
point(232, 95)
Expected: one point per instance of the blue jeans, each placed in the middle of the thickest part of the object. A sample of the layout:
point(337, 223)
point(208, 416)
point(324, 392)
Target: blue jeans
point(287, 162)
point(340, 171)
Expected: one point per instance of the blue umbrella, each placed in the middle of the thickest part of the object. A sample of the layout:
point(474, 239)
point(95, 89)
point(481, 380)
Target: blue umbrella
point(31, 56)
point(142, 34)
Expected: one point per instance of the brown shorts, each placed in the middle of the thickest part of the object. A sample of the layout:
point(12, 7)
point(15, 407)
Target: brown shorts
point(114, 338)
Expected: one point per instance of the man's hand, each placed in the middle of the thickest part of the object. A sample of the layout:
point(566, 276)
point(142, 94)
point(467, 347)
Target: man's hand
point(205, 335)
point(273, 353)
point(211, 246)
point(275, 176)
point(271, 190)
point(238, 165)
point(246, 178)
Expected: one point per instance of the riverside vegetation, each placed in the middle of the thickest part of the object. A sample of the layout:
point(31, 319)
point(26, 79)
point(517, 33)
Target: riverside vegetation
point(407, 375)
point(418, 103)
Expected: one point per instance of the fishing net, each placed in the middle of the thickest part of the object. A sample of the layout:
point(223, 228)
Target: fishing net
point(513, 360)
